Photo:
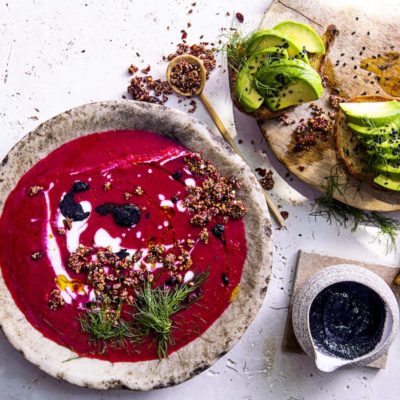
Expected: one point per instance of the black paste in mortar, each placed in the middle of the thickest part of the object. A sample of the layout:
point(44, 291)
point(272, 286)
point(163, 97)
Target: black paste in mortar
point(347, 319)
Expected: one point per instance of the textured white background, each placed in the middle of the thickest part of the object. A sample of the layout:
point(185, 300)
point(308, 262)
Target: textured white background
point(44, 71)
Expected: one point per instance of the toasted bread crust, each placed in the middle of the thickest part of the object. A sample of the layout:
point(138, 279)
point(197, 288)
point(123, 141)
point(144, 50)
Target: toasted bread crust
point(348, 148)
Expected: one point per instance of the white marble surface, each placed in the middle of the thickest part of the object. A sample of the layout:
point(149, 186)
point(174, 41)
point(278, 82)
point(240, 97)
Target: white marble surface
point(44, 71)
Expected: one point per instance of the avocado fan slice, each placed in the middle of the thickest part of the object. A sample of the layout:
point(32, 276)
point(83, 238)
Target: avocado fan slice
point(392, 170)
point(388, 130)
point(288, 82)
point(371, 114)
point(266, 38)
point(246, 93)
point(388, 182)
point(302, 35)
point(266, 56)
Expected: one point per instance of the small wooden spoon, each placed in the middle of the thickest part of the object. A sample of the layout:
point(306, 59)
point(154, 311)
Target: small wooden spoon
point(199, 92)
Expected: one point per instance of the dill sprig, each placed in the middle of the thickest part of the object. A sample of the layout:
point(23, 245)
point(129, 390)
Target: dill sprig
point(347, 216)
point(156, 306)
point(105, 324)
point(235, 48)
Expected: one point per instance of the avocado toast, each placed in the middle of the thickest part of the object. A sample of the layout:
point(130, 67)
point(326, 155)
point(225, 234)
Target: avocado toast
point(291, 75)
point(367, 140)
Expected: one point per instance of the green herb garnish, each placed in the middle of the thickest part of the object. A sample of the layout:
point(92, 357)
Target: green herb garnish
point(235, 49)
point(104, 324)
point(347, 216)
point(156, 306)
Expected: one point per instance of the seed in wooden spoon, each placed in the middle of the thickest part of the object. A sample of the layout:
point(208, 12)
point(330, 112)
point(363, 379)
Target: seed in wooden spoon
point(186, 77)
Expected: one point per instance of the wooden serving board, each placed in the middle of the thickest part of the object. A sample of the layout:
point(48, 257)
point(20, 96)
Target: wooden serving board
point(366, 29)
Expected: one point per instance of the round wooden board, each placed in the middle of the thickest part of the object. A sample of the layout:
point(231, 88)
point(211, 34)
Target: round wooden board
point(364, 32)
point(314, 166)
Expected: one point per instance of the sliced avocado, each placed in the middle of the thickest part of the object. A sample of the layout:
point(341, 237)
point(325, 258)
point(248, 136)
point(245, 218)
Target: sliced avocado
point(269, 38)
point(392, 170)
point(386, 154)
point(387, 130)
point(303, 35)
point(383, 147)
point(371, 114)
point(246, 94)
point(288, 82)
point(269, 55)
point(388, 182)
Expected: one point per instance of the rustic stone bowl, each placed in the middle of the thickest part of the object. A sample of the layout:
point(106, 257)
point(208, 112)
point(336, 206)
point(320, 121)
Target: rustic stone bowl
point(225, 332)
point(327, 277)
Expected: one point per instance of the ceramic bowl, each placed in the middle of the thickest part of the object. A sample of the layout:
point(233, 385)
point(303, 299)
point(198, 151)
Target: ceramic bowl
point(327, 277)
point(202, 352)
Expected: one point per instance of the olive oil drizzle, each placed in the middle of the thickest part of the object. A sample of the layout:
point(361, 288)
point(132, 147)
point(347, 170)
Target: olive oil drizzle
point(386, 67)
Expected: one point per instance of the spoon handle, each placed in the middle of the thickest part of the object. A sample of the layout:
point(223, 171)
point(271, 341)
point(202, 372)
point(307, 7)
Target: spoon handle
point(225, 134)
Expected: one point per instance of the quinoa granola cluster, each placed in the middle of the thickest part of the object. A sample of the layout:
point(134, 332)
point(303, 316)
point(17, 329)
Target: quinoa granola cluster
point(144, 87)
point(215, 197)
point(186, 77)
point(202, 51)
point(114, 276)
point(318, 127)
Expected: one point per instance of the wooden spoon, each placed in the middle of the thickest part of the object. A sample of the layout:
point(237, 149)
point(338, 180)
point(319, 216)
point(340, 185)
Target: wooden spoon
point(199, 92)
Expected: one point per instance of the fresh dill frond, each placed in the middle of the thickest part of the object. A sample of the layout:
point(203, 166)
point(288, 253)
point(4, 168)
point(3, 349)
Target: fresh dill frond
point(105, 324)
point(156, 306)
point(370, 123)
point(72, 358)
point(347, 216)
point(235, 48)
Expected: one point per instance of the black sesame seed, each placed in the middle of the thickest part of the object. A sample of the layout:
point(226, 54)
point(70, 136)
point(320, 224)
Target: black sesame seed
point(280, 78)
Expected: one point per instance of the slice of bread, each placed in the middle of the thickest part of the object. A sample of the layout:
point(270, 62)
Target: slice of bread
point(349, 149)
point(317, 61)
